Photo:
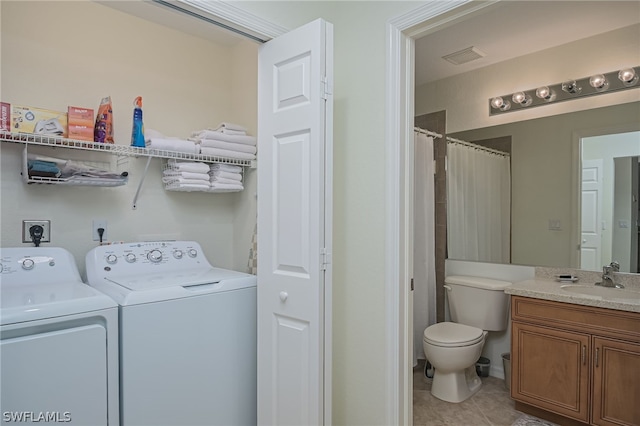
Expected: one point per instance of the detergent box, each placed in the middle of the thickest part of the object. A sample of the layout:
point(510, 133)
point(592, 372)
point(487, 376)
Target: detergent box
point(80, 123)
point(26, 119)
point(5, 117)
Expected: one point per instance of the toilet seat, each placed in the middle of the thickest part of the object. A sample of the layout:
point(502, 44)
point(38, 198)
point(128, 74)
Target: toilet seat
point(450, 334)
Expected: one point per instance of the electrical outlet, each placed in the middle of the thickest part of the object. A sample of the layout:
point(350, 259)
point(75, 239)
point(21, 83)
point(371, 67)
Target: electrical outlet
point(46, 234)
point(99, 223)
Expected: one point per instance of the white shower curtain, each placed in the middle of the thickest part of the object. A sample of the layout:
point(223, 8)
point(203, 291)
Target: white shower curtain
point(424, 269)
point(478, 204)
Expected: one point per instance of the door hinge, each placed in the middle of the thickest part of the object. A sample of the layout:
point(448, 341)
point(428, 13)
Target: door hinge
point(411, 284)
point(325, 258)
point(325, 87)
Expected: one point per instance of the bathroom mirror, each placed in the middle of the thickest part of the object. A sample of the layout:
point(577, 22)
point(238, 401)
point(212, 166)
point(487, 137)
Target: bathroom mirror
point(555, 217)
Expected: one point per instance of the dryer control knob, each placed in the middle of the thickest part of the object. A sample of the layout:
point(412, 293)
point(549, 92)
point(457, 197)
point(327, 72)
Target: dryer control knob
point(178, 254)
point(155, 256)
point(28, 264)
point(193, 252)
point(112, 259)
point(130, 257)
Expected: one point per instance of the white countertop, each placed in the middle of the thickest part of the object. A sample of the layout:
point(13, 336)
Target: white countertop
point(552, 290)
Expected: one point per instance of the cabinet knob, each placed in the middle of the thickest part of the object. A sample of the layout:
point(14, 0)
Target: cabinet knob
point(283, 296)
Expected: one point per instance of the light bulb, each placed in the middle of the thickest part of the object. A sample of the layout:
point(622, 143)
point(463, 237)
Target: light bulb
point(521, 98)
point(599, 82)
point(571, 87)
point(545, 93)
point(501, 104)
point(628, 76)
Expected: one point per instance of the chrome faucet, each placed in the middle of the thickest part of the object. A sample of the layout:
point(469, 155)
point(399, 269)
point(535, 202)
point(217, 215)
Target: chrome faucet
point(608, 275)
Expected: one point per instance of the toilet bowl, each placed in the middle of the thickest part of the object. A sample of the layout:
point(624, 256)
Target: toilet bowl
point(477, 305)
point(453, 350)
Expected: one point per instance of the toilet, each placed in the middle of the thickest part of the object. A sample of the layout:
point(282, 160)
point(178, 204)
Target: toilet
point(476, 306)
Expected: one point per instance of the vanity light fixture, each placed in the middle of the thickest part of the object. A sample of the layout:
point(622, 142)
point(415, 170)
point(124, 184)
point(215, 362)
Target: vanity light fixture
point(545, 94)
point(500, 104)
point(572, 87)
point(628, 77)
point(522, 98)
point(597, 84)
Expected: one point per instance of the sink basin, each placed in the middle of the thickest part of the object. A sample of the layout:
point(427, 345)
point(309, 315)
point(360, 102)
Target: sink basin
point(596, 292)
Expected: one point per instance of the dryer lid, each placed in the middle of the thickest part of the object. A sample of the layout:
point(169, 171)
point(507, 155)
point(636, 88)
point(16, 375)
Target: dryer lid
point(452, 334)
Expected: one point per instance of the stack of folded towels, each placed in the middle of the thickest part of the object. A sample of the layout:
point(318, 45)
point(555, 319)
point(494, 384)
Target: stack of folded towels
point(156, 140)
point(227, 140)
point(225, 178)
point(186, 175)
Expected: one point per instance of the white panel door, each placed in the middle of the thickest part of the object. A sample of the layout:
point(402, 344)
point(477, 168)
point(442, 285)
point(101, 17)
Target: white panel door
point(591, 239)
point(294, 225)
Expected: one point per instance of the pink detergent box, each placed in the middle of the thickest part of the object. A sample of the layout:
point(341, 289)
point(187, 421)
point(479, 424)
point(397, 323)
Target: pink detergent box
point(80, 123)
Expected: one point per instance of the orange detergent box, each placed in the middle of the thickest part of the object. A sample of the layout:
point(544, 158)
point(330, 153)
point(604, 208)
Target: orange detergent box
point(26, 119)
point(80, 123)
point(5, 116)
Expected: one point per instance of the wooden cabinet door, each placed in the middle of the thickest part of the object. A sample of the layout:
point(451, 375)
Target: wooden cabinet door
point(616, 382)
point(550, 369)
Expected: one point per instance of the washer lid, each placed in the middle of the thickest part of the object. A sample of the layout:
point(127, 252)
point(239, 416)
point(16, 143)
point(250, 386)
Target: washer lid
point(146, 288)
point(452, 334)
point(34, 301)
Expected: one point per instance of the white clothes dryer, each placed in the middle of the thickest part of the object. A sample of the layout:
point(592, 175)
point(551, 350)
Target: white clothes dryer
point(187, 334)
point(59, 342)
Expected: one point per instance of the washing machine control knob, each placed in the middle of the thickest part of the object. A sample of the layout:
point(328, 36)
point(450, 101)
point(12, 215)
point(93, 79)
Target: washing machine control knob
point(193, 252)
point(155, 256)
point(28, 264)
point(130, 257)
point(178, 254)
point(112, 259)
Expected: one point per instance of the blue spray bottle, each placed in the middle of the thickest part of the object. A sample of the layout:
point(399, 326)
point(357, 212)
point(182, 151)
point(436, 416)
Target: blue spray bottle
point(137, 133)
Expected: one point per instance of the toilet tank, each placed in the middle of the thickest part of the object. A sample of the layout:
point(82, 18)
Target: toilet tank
point(478, 302)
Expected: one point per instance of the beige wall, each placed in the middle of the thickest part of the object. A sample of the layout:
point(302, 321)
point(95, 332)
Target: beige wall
point(56, 54)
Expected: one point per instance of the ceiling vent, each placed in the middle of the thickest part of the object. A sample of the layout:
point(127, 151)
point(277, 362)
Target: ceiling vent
point(465, 55)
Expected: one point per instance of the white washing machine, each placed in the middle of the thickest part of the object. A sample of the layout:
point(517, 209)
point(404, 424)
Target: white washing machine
point(187, 334)
point(58, 342)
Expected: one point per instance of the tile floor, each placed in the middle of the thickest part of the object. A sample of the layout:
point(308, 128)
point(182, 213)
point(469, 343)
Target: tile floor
point(490, 406)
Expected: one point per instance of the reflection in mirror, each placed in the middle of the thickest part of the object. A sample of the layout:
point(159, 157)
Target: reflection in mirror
point(545, 169)
point(609, 201)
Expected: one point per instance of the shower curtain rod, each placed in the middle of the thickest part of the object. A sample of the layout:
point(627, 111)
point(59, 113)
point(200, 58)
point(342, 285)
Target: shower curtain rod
point(476, 146)
point(461, 142)
point(427, 132)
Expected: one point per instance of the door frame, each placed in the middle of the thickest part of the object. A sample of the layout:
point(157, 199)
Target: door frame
point(402, 32)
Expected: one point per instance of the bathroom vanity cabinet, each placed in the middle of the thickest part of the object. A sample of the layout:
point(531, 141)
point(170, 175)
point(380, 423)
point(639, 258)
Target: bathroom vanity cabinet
point(578, 362)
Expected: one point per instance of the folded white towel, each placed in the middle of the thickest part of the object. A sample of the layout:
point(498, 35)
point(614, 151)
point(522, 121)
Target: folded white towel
point(186, 175)
point(231, 146)
point(232, 132)
point(226, 175)
point(225, 153)
point(230, 126)
point(219, 136)
point(189, 166)
point(187, 187)
point(175, 179)
point(215, 179)
point(226, 168)
point(225, 187)
point(179, 145)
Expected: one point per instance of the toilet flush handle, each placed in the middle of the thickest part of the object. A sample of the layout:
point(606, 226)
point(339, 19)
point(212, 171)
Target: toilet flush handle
point(447, 287)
